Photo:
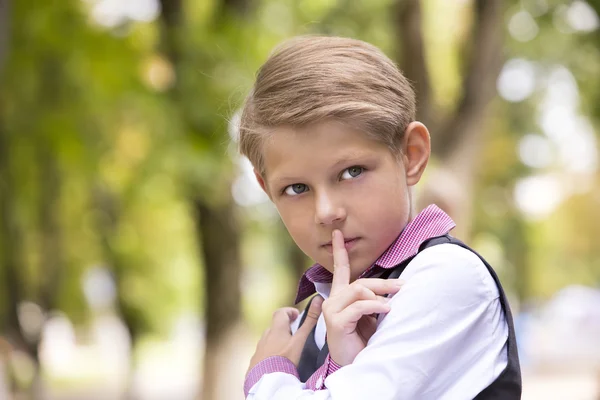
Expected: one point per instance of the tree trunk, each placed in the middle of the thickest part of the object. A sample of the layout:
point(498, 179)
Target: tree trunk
point(217, 227)
point(108, 225)
point(4, 31)
point(11, 262)
point(239, 8)
point(463, 135)
point(485, 59)
point(219, 235)
point(6, 384)
point(220, 247)
point(8, 255)
point(411, 52)
point(11, 234)
point(52, 254)
point(50, 182)
point(458, 139)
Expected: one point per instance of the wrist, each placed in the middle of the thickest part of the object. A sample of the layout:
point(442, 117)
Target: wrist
point(339, 356)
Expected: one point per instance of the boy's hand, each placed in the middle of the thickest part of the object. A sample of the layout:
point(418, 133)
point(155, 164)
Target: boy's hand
point(349, 308)
point(278, 340)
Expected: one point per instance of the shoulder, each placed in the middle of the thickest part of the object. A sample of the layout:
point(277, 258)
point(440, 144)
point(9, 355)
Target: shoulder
point(447, 317)
point(450, 270)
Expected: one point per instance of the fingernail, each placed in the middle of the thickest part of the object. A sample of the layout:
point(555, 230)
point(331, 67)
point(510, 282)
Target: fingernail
point(318, 301)
point(399, 282)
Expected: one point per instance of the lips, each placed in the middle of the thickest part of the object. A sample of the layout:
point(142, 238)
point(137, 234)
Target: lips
point(348, 244)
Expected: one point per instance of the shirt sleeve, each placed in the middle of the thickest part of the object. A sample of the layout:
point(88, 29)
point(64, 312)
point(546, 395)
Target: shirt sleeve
point(444, 338)
point(278, 364)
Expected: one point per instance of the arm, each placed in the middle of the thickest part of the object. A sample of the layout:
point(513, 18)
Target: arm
point(443, 338)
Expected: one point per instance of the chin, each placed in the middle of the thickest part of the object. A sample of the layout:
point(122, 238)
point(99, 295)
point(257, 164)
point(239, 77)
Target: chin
point(356, 272)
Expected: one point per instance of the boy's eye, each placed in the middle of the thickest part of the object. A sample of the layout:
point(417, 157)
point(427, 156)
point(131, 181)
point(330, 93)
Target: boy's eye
point(352, 172)
point(295, 189)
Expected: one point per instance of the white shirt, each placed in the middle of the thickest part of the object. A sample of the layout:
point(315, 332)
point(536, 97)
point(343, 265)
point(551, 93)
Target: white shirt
point(444, 338)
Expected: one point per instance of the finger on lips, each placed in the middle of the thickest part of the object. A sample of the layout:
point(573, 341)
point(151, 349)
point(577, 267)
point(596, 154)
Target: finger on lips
point(341, 264)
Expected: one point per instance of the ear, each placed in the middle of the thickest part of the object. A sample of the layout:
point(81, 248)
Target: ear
point(261, 182)
point(416, 150)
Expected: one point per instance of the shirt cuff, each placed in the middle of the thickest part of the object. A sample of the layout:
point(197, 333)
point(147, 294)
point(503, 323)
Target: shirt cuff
point(267, 366)
point(317, 380)
point(333, 366)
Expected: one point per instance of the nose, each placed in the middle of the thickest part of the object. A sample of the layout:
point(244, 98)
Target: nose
point(328, 210)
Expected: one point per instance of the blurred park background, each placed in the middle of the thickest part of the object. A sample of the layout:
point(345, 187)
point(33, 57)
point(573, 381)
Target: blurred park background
point(139, 259)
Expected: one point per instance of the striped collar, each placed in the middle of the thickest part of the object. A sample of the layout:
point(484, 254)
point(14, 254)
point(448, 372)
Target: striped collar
point(430, 223)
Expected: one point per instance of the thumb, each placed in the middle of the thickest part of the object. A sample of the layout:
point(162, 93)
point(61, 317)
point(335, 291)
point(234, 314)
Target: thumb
point(312, 316)
point(282, 318)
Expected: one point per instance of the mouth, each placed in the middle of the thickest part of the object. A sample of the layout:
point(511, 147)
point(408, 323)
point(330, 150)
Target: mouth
point(349, 243)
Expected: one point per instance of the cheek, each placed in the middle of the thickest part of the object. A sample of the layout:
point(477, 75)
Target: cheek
point(295, 221)
point(386, 193)
point(384, 207)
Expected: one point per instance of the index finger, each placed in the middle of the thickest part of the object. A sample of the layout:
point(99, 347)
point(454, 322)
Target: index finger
point(341, 264)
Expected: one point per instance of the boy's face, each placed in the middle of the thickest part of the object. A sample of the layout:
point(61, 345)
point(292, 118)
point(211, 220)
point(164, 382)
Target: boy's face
point(329, 177)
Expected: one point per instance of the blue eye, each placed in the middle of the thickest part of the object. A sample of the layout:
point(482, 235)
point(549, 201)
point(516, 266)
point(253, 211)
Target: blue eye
point(352, 172)
point(295, 189)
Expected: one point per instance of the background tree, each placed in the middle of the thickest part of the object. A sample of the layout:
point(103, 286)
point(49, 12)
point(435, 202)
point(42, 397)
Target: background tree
point(209, 192)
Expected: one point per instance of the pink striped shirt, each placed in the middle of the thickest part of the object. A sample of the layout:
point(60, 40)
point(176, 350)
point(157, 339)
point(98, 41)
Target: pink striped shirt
point(430, 223)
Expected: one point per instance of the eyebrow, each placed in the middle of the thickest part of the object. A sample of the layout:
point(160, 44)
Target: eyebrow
point(350, 157)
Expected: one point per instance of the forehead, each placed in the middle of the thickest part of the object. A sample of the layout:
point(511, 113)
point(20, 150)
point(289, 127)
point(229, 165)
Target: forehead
point(290, 151)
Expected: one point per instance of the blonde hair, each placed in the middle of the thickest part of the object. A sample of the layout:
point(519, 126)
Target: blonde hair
point(310, 79)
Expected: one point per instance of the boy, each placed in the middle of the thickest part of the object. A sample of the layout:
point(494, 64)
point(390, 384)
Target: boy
point(329, 128)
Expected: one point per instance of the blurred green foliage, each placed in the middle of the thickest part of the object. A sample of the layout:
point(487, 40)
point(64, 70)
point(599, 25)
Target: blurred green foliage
point(105, 137)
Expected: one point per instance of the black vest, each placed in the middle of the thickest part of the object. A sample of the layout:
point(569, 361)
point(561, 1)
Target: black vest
point(508, 384)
